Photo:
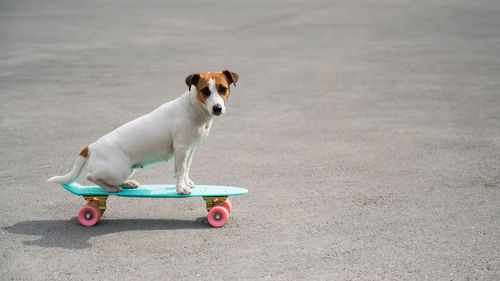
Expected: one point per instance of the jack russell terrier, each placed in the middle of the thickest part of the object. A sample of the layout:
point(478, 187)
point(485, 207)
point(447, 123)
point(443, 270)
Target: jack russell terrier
point(172, 131)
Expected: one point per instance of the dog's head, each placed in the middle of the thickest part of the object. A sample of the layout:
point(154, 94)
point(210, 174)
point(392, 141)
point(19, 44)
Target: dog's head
point(212, 89)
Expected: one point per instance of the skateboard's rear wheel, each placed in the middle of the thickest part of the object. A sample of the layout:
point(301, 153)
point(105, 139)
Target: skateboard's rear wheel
point(218, 215)
point(89, 215)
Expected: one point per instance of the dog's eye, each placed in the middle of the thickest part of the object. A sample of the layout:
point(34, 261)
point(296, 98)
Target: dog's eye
point(222, 90)
point(205, 91)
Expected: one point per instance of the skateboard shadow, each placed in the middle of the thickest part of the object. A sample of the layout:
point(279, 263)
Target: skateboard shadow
point(70, 234)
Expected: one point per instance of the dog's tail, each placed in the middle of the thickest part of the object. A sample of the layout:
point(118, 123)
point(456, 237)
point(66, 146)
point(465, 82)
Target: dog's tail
point(75, 171)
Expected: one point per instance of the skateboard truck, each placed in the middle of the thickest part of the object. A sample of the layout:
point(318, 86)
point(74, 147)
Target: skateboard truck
point(99, 201)
point(214, 201)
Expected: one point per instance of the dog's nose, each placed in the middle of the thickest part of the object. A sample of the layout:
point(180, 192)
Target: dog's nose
point(217, 109)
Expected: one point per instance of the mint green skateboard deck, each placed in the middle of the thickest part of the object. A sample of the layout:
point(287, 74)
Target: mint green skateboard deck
point(215, 196)
point(158, 191)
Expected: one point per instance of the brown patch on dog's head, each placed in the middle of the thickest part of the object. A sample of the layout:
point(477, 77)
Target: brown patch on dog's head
point(192, 80)
point(231, 77)
point(222, 81)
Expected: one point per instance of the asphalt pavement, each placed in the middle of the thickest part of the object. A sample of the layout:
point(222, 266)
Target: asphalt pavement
point(367, 133)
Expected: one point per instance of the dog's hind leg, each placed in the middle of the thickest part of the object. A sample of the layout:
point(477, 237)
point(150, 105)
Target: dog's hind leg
point(130, 184)
point(109, 168)
point(106, 186)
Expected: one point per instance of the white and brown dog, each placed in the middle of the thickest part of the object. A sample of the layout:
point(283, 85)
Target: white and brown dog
point(173, 130)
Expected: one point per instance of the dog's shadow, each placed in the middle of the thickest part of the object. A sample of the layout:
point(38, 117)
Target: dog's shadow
point(70, 234)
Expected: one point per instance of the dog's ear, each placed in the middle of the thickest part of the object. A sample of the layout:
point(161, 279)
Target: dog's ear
point(231, 77)
point(192, 80)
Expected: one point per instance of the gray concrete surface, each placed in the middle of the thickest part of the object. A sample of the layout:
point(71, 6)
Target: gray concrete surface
point(368, 134)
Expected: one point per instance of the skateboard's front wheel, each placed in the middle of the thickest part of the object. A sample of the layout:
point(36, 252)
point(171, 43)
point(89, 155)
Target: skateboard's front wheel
point(226, 204)
point(217, 217)
point(89, 215)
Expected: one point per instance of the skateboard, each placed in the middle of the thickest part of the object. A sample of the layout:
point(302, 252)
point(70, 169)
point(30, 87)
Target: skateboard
point(216, 199)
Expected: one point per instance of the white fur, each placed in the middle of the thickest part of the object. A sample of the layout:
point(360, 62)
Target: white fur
point(173, 130)
point(214, 98)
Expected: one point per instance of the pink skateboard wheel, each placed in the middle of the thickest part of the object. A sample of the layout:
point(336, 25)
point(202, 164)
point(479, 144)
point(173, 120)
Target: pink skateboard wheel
point(217, 217)
point(89, 215)
point(226, 204)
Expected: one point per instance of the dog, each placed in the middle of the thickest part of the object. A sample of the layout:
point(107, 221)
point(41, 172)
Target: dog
point(171, 131)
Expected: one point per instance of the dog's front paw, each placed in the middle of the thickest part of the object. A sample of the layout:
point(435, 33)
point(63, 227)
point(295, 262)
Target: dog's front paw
point(183, 189)
point(189, 183)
